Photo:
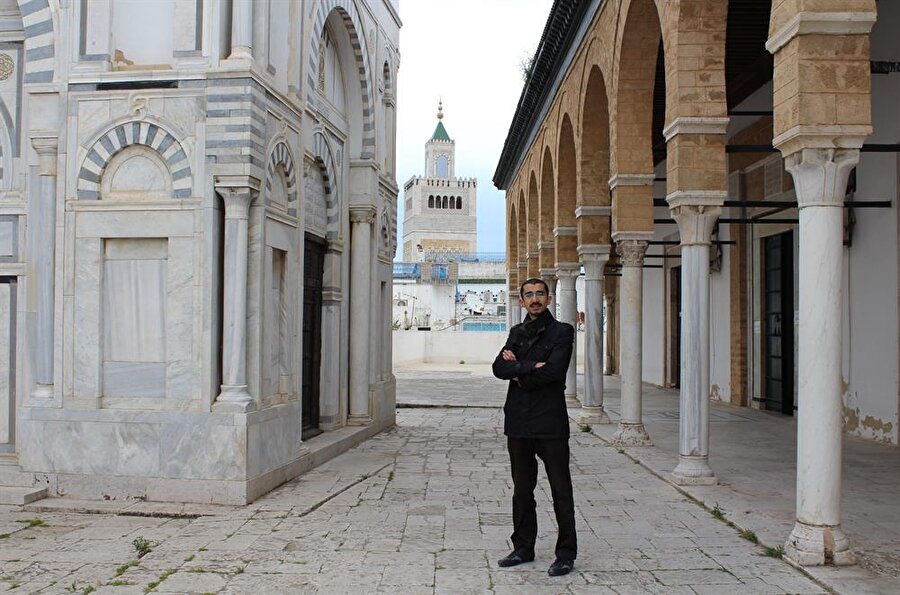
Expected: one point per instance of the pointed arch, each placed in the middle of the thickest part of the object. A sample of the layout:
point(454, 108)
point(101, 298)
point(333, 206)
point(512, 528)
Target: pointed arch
point(594, 172)
point(280, 157)
point(533, 229)
point(350, 18)
point(545, 215)
point(324, 159)
point(566, 189)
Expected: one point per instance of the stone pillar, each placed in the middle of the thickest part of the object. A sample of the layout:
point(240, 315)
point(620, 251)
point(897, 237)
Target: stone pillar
point(594, 259)
point(237, 192)
point(822, 58)
point(241, 30)
point(44, 236)
point(696, 215)
point(568, 312)
point(820, 178)
point(361, 219)
point(532, 266)
point(631, 430)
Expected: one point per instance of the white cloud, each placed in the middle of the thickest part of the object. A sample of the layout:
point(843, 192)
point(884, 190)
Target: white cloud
point(468, 53)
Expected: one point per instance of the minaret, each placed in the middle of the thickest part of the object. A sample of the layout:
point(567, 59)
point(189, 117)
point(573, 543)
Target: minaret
point(439, 221)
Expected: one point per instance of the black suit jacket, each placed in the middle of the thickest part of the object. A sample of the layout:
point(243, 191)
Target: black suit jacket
point(535, 400)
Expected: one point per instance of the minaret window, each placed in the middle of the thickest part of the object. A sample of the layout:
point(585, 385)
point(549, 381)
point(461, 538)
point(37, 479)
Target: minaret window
point(445, 203)
point(459, 202)
point(431, 202)
point(442, 166)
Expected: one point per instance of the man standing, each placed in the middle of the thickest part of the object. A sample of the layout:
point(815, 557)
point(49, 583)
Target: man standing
point(534, 360)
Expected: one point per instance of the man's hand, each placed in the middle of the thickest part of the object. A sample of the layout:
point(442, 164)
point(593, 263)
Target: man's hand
point(508, 355)
point(539, 365)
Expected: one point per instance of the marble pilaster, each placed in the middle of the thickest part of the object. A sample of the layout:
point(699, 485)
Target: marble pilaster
point(44, 234)
point(820, 178)
point(594, 259)
point(241, 30)
point(696, 214)
point(237, 193)
point(567, 273)
point(631, 248)
point(362, 217)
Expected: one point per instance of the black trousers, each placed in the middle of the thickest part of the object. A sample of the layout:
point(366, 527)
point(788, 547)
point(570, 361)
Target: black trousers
point(555, 454)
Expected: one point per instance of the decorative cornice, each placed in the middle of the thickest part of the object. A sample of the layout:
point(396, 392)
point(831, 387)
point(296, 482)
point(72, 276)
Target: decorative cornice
point(631, 180)
point(594, 251)
point(546, 245)
point(821, 23)
point(821, 137)
point(695, 125)
point(593, 211)
point(704, 198)
point(237, 183)
point(565, 231)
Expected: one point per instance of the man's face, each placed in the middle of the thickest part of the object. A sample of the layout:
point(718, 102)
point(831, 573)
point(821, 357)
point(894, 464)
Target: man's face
point(535, 299)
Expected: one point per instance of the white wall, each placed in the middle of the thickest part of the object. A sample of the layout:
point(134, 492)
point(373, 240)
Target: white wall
point(654, 330)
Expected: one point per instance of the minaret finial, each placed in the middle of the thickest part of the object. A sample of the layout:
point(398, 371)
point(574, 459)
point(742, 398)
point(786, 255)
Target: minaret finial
point(440, 109)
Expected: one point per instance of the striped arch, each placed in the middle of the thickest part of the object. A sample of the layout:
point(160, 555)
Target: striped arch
point(351, 19)
point(40, 40)
point(324, 159)
point(125, 135)
point(281, 155)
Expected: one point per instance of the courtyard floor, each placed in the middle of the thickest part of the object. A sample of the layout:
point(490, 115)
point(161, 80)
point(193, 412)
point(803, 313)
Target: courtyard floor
point(425, 508)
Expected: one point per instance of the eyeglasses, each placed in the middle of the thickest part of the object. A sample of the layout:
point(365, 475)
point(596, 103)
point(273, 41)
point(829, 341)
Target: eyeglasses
point(530, 294)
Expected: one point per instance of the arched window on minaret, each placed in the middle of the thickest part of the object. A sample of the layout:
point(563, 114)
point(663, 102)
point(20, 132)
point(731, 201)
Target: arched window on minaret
point(442, 167)
point(459, 202)
point(431, 202)
point(446, 204)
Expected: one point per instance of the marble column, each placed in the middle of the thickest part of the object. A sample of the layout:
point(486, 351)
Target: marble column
point(237, 193)
point(696, 214)
point(820, 179)
point(241, 30)
point(549, 277)
point(594, 260)
point(568, 312)
point(631, 430)
point(44, 236)
point(361, 219)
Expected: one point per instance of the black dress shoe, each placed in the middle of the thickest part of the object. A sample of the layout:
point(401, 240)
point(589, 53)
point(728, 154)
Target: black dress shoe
point(560, 567)
point(515, 558)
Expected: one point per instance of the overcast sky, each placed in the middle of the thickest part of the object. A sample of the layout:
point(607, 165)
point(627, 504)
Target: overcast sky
point(466, 52)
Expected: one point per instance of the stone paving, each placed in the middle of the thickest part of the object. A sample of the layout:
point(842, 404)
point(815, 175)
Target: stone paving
point(422, 508)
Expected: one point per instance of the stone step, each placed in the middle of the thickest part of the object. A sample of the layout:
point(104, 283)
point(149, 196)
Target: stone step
point(19, 496)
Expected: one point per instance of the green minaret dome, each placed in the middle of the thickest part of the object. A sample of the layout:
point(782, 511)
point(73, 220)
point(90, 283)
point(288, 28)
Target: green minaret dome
point(440, 133)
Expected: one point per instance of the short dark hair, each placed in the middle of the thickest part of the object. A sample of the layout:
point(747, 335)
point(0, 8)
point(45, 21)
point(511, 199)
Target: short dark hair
point(532, 281)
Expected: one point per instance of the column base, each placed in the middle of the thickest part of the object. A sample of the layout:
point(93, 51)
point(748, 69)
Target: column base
point(234, 399)
point(592, 415)
point(572, 402)
point(818, 545)
point(631, 434)
point(359, 420)
point(693, 471)
point(42, 392)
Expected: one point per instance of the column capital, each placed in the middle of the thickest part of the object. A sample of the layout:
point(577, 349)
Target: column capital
point(547, 273)
point(696, 213)
point(362, 214)
point(237, 192)
point(568, 270)
point(631, 252)
point(695, 125)
point(820, 175)
point(47, 147)
point(594, 258)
